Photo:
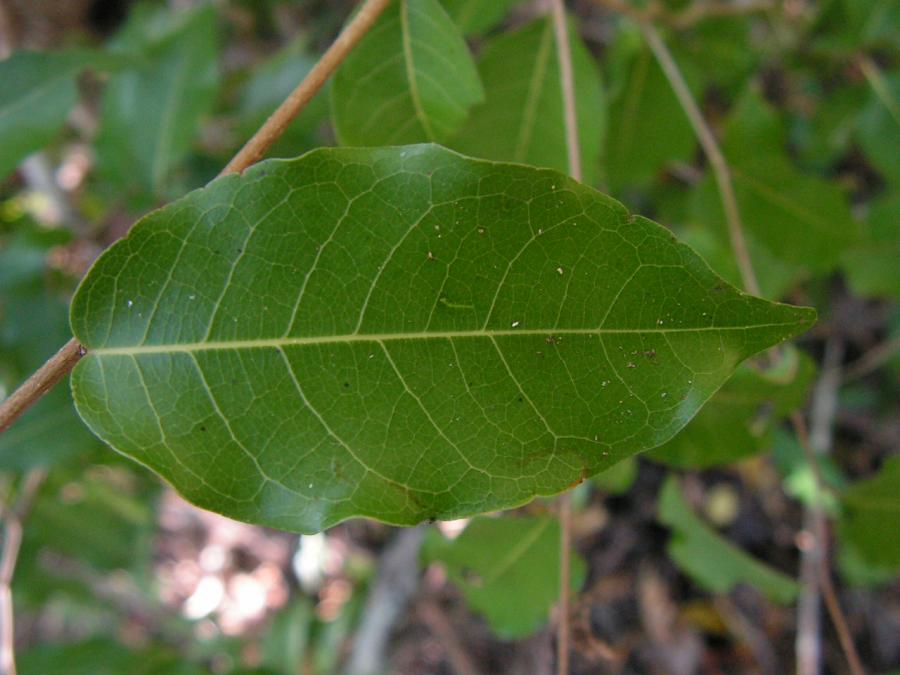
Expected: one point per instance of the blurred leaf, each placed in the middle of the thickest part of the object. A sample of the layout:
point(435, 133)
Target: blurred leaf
point(844, 26)
point(151, 113)
point(800, 480)
point(522, 119)
point(857, 571)
point(268, 85)
point(709, 559)
point(400, 333)
point(33, 325)
point(104, 656)
point(475, 17)
point(286, 639)
point(647, 126)
point(39, 90)
point(507, 569)
point(737, 421)
point(797, 218)
point(871, 266)
point(871, 511)
point(878, 126)
point(618, 478)
point(411, 79)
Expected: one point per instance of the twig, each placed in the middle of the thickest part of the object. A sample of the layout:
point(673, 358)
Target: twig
point(573, 151)
point(41, 381)
point(256, 147)
point(714, 154)
point(60, 365)
point(872, 360)
point(442, 629)
point(687, 18)
point(398, 579)
point(12, 541)
point(817, 442)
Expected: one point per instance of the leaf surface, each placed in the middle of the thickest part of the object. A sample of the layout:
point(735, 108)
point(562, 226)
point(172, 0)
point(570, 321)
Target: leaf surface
point(522, 118)
point(411, 79)
point(738, 420)
point(37, 94)
point(151, 113)
point(711, 560)
point(400, 333)
point(507, 569)
point(475, 17)
point(871, 513)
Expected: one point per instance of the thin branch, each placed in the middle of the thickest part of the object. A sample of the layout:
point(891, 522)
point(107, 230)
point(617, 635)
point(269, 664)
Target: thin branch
point(41, 381)
point(573, 151)
point(710, 146)
point(12, 542)
point(872, 360)
point(395, 585)
point(269, 132)
point(60, 365)
point(829, 594)
point(442, 629)
point(687, 18)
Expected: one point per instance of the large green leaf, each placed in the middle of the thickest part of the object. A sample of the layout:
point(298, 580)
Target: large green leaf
point(738, 420)
point(714, 562)
point(411, 79)
point(871, 513)
point(402, 333)
point(37, 94)
point(508, 570)
point(522, 119)
point(151, 113)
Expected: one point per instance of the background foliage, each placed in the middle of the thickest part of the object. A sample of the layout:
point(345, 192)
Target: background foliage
point(692, 553)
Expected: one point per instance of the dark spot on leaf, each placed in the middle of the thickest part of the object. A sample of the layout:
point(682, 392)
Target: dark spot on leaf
point(520, 399)
point(202, 428)
point(346, 385)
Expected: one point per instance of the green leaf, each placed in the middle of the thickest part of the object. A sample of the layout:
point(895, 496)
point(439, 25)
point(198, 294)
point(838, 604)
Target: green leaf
point(878, 126)
point(476, 17)
point(507, 569)
point(33, 325)
point(522, 118)
point(37, 94)
point(738, 420)
point(647, 127)
point(411, 79)
point(797, 218)
point(871, 266)
point(400, 333)
point(871, 508)
point(106, 656)
point(151, 113)
point(712, 561)
point(618, 478)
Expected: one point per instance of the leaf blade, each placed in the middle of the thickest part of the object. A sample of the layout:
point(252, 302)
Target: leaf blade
point(278, 345)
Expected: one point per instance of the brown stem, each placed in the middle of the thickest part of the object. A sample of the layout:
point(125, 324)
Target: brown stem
point(269, 132)
point(60, 365)
point(41, 381)
point(573, 151)
point(826, 585)
point(710, 146)
point(12, 541)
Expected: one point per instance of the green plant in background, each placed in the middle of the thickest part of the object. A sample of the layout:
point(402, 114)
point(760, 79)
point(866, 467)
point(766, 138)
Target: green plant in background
point(394, 330)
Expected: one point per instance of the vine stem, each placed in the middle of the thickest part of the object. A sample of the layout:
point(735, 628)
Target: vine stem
point(573, 152)
point(57, 367)
point(722, 174)
point(12, 542)
point(707, 139)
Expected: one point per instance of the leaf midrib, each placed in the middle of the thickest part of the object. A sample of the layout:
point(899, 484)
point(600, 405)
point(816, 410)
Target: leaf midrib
point(274, 343)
